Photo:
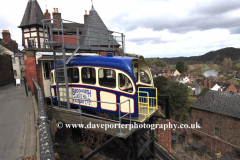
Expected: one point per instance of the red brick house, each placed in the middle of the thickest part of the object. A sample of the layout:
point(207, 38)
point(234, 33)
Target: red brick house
point(190, 67)
point(164, 72)
point(219, 115)
point(229, 87)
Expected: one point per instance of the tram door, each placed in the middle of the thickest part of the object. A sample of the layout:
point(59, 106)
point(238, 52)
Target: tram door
point(73, 78)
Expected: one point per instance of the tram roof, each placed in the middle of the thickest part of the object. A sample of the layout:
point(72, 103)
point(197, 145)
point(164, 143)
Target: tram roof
point(118, 62)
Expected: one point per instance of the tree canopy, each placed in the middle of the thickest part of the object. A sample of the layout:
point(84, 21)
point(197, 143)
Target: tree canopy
point(178, 92)
point(180, 66)
point(142, 58)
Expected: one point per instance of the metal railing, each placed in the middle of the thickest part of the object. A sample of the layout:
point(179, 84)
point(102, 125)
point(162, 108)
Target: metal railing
point(145, 102)
point(45, 142)
point(63, 30)
point(81, 113)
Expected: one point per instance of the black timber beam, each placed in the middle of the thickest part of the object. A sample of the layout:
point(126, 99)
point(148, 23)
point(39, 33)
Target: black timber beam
point(135, 146)
point(166, 97)
point(141, 132)
point(144, 146)
point(151, 134)
point(98, 149)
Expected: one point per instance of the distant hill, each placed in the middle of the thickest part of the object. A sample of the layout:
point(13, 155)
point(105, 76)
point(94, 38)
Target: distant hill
point(215, 56)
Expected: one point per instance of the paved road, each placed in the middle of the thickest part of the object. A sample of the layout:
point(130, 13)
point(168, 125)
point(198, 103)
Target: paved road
point(13, 106)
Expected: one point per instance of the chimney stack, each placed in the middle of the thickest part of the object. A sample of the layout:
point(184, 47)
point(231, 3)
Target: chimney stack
point(209, 84)
point(6, 35)
point(47, 15)
point(85, 17)
point(56, 16)
point(205, 83)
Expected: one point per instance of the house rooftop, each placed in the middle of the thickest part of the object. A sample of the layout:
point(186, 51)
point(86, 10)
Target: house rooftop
point(96, 32)
point(225, 86)
point(225, 103)
point(33, 14)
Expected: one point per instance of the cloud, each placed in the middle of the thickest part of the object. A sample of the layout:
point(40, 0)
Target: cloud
point(235, 30)
point(5, 24)
point(145, 40)
point(199, 17)
point(216, 7)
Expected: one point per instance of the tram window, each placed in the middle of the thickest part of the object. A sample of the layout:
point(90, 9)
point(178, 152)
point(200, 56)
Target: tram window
point(107, 78)
point(60, 76)
point(73, 75)
point(88, 75)
point(125, 83)
point(135, 70)
point(52, 78)
point(144, 77)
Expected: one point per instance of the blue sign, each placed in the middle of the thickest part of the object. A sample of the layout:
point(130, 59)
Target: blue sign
point(18, 54)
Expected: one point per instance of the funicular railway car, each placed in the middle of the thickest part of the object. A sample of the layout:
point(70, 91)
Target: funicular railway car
point(108, 79)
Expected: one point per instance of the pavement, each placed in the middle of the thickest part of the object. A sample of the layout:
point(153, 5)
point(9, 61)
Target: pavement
point(16, 123)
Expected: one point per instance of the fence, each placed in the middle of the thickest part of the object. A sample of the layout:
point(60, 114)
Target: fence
point(45, 142)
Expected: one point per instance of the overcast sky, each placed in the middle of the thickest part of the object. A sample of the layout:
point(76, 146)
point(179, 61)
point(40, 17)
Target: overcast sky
point(153, 28)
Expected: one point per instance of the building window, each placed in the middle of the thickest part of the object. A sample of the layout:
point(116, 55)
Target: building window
point(13, 59)
point(107, 78)
point(217, 132)
point(14, 72)
point(21, 60)
point(200, 122)
point(47, 69)
point(88, 75)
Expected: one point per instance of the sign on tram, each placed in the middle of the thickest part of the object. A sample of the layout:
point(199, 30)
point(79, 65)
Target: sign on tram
point(18, 54)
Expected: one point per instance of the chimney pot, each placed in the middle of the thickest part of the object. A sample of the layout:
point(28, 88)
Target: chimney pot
point(85, 12)
point(57, 10)
point(54, 10)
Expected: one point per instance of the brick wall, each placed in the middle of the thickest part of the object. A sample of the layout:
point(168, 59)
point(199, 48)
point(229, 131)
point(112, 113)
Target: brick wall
point(216, 144)
point(6, 70)
point(229, 127)
point(40, 76)
point(30, 65)
point(164, 136)
point(68, 39)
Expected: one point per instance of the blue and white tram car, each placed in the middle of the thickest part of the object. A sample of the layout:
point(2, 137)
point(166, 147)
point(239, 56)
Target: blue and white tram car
point(108, 79)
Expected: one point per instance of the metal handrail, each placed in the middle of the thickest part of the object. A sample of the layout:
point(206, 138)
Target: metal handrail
point(81, 113)
point(46, 148)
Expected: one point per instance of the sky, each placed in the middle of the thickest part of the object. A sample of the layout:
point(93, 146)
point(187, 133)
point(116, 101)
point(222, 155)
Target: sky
point(152, 28)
